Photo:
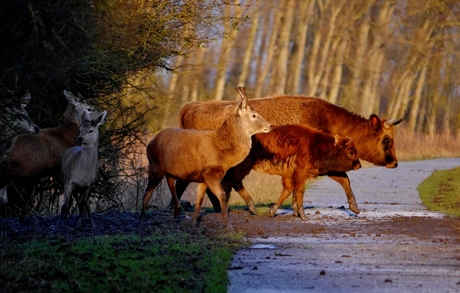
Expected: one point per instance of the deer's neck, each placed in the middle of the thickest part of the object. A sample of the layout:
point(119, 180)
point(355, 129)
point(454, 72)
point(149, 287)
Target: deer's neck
point(233, 141)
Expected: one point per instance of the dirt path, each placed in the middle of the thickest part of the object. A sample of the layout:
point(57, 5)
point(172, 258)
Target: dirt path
point(393, 245)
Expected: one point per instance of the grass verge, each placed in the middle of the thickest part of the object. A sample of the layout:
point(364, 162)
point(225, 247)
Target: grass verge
point(441, 192)
point(178, 262)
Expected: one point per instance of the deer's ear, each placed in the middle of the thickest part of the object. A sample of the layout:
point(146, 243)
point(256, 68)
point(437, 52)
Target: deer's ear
point(101, 118)
point(85, 116)
point(25, 100)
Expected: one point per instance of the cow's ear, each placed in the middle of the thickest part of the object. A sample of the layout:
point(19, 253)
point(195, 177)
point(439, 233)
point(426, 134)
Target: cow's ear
point(375, 122)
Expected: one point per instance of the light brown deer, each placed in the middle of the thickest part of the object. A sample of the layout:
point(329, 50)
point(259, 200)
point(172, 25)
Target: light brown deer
point(202, 156)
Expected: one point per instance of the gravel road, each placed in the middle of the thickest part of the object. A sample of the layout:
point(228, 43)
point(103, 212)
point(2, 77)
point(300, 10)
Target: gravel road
point(394, 245)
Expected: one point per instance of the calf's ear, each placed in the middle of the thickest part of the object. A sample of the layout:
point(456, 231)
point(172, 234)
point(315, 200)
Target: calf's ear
point(336, 139)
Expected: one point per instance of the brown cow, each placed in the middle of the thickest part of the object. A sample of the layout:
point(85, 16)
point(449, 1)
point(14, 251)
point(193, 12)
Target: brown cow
point(373, 137)
point(298, 153)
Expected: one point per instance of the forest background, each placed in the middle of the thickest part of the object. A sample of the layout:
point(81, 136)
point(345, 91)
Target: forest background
point(142, 60)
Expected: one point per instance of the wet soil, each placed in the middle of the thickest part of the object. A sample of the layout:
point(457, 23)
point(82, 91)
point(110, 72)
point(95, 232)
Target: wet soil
point(252, 226)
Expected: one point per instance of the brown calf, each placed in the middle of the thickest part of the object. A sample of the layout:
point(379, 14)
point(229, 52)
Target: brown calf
point(202, 156)
point(373, 137)
point(298, 153)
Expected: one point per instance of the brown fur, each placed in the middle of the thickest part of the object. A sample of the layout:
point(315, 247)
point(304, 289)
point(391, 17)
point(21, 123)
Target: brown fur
point(202, 156)
point(39, 155)
point(373, 137)
point(298, 153)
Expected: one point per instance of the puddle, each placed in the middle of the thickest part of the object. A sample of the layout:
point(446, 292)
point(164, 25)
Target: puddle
point(263, 246)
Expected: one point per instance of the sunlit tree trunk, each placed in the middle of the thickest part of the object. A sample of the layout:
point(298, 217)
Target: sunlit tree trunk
point(305, 10)
point(322, 46)
point(417, 97)
point(283, 48)
point(225, 50)
point(269, 54)
point(245, 67)
point(338, 72)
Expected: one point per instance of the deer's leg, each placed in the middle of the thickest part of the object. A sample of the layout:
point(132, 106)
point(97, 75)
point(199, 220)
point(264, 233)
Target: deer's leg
point(83, 206)
point(212, 180)
point(170, 180)
point(201, 190)
point(153, 182)
point(29, 194)
point(344, 181)
point(287, 190)
point(68, 189)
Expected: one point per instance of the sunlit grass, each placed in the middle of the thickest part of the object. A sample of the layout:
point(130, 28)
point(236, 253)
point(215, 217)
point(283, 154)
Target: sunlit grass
point(441, 192)
point(412, 146)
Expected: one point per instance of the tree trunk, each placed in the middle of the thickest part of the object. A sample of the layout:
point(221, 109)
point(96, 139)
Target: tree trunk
point(242, 80)
point(283, 48)
point(297, 58)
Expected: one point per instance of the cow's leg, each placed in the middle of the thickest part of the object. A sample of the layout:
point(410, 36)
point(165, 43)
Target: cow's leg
point(344, 181)
point(287, 190)
point(214, 201)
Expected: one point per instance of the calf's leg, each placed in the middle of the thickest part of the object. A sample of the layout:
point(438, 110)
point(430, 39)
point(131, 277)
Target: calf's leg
point(287, 190)
point(344, 181)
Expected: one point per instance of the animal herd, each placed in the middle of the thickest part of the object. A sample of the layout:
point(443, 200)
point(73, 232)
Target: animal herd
point(217, 145)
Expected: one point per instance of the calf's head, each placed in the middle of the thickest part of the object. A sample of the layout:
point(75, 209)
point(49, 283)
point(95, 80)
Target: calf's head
point(347, 155)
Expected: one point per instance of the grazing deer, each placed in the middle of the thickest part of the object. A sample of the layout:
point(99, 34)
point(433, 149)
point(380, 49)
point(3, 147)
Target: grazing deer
point(202, 156)
point(80, 167)
point(35, 156)
point(14, 121)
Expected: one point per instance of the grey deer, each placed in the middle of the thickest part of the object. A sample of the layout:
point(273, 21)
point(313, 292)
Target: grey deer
point(80, 167)
point(14, 121)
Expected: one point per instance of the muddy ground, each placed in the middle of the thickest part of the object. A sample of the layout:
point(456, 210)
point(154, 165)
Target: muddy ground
point(393, 244)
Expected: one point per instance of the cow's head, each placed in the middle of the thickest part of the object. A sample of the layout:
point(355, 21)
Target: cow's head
point(382, 139)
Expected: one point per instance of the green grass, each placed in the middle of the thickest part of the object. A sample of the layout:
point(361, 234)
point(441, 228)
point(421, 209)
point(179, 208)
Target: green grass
point(441, 192)
point(178, 262)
